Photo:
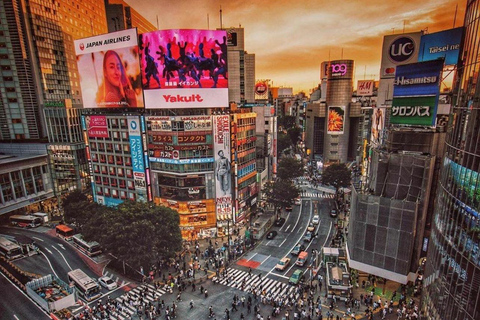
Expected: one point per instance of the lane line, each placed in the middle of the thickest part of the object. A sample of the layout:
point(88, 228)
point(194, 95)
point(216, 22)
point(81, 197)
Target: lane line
point(51, 267)
point(252, 256)
point(63, 257)
point(265, 259)
point(288, 228)
point(25, 295)
point(38, 239)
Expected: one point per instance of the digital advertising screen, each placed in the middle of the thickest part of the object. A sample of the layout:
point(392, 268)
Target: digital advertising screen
point(418, 79)
point(444, 44)
point(184, 68)
point(223, 166)
point(109, 70)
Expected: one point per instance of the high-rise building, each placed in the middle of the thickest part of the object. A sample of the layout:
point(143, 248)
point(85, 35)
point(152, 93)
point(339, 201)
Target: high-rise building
point(121, 16)
point(241, 68)
point(452, 271)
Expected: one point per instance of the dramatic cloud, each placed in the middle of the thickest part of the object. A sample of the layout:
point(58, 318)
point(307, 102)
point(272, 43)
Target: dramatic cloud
point(290, 39)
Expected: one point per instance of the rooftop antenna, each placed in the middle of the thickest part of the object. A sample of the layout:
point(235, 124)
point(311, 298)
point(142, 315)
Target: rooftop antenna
point(342, 53)
point(403, 26)
point(455, 16)
point(208, 21)
point(365, 73)
point(158, 26)
point(393, 30)
point(221, 21)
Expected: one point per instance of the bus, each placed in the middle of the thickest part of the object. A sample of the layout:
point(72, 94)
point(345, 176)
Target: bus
point(42, 215)
point(89, 248)
point(26, 221)
point(64, 232)
point(88, 288)
point(9, 249)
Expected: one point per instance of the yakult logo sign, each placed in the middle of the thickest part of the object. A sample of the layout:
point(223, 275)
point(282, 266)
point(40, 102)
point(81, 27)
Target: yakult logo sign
point(339, 69)
point(401, 49)
point(182, 98)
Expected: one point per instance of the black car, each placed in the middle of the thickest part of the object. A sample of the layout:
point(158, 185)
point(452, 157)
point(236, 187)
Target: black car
point(333, 213)
point(271, 235)
point(279, 222)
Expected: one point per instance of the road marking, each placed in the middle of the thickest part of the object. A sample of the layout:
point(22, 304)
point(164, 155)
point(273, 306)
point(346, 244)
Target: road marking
point(288, 228)
point(286, 219)
point(16, 317)
point(268, 243)
point(63, 257)
point(281, 244)
point(61, 246)
point(252, 256)
point(38, 239)
point(328, 235)
point(278, 275)
point(265, 259)
point(49, 263)
point(48, 251)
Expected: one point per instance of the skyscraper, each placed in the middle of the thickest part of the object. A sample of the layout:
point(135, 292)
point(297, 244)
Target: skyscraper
point(452, 271)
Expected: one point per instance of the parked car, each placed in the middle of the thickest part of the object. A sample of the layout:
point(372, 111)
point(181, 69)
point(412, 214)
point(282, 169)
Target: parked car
point(282, 264)
point(308, 237)
point(333, 213)
point(296, 277)
point(279, 222)
point(311, 227)
point(316, 219)
point(107, 283)
point(271, 235)
point(297, 249)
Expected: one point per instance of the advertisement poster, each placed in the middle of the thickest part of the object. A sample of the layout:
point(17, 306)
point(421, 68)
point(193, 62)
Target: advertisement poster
point(378, 123)
point(223, 168)
point(136, 152)
point(184, 68)
point(336, 118)
point(420, 111)
point(96, 126)
point(261, 90)
point(109, 70)
point(398, 50)
point(444, 44)
point(418, 79)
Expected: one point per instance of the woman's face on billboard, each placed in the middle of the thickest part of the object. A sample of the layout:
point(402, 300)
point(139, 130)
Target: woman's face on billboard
point(113, 70)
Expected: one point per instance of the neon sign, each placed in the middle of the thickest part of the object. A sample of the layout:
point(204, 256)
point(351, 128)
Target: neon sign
point(339, 69)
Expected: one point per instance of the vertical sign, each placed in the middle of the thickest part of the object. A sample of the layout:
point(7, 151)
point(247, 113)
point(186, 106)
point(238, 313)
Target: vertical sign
point(136, 149)
point(223, 167)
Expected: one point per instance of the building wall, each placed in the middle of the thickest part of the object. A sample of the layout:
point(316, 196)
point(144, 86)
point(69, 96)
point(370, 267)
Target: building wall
point(452, 271)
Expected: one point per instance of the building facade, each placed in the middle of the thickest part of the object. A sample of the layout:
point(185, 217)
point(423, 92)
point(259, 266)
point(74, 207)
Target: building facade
point(452, 271)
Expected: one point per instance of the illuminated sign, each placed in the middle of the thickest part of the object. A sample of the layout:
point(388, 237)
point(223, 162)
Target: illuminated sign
point(397, 50)
point(182, 161)
point(419, 111)
point(136, 149)
point(336, 118)
point(339, 69)
point(365, 87)
point(401, 49)
point(96, 126)
point(444, 44)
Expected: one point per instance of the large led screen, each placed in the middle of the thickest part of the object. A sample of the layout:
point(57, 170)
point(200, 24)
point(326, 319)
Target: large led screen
point(109, 70)
point(184, 68)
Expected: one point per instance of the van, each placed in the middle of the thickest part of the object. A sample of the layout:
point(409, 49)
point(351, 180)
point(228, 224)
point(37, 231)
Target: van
point(42, 215)
point(302, 258)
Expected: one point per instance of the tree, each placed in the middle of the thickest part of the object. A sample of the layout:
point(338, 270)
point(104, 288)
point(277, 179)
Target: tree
point(79, 209)
point(138, 233)
point(283, 143)
point(337, 175)
point(281, 193)
point(289, 168)
point(286, 122)
point(294, 134)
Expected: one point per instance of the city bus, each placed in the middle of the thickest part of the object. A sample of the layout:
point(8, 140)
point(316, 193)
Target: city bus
point(26, 221)
point(64, 232)
point(88, 288)
point(9, 249)
point(89, 248)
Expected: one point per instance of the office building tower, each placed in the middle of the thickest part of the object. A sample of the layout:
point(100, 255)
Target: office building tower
point(452, 270)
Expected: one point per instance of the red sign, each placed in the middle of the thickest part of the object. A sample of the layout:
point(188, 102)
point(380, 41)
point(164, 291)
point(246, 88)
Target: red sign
point(97, 126)
point(192, 139)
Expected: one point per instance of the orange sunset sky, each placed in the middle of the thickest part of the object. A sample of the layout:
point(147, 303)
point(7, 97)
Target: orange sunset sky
point(291, 38)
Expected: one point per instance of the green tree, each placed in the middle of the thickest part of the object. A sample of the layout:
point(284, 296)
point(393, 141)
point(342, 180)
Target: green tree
point(289, 168)
point(78, 209)
point(294, 134)
point(280, 193)
point(283, 143)
point(337, 175)
point(138, 233)
point(286, 122)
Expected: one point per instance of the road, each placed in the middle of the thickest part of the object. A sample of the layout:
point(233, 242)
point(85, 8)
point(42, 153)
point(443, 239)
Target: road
point(16, 305)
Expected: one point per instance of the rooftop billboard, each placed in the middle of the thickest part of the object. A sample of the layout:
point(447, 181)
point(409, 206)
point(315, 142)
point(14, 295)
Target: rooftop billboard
point(444, 44)
point(184, 68)
point(418, 79)
point(109, 70)
point(398, 49)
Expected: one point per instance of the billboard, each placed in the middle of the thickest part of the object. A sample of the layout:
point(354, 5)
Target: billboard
point(109, 70)
point(418, 79)
point(444, 44)
point(336, 119)
point(261, 90)
point(397, 50)
point(184, 68)
point(378, 124)
point(223, 168)
point(96, 126)
point(365, 88)
point(340, 69)
point(136, 150)
point(179, 123)
point(420, 111)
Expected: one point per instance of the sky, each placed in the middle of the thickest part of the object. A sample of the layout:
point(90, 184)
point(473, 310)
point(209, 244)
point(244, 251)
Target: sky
point(290, 39)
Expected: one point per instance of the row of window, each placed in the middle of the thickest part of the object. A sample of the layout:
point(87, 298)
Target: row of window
point(118, 160)
point(117, 194)
point(113, 182)
point(113, 171)
point(109, 147)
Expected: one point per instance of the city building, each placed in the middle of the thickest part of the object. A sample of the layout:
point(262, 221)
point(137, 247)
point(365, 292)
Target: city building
point(241, 68)
point(121, 16)
point(452, 268)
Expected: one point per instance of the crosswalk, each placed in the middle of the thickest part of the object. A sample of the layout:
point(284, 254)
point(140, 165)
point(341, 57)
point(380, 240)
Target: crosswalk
point(241, 280)
point(325, 195)
point(115, 278)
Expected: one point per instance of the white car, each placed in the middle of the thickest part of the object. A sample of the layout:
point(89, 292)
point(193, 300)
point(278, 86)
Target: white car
point(316, 219)
point(107, 282)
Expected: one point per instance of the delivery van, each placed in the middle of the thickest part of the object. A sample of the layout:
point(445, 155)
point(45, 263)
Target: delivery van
point(302, 258)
